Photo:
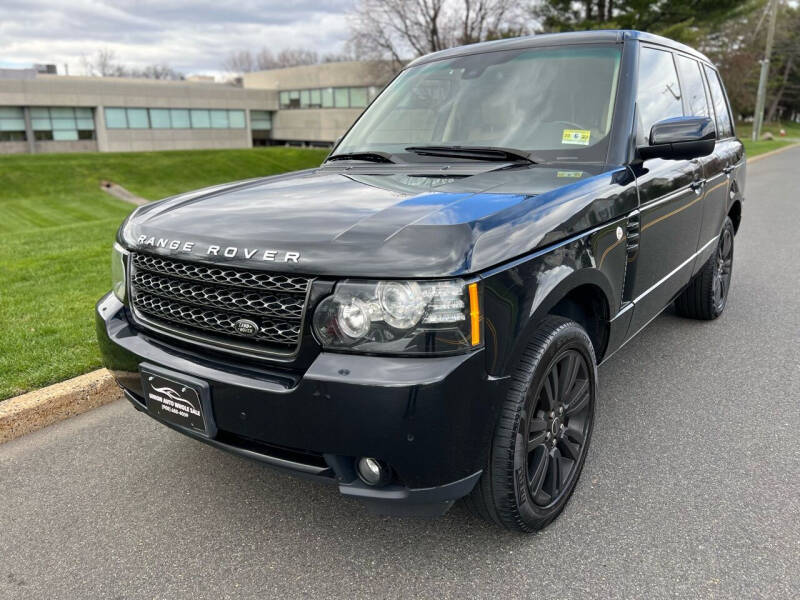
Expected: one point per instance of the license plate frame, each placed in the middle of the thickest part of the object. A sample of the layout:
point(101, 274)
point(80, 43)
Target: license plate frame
point(180, 400)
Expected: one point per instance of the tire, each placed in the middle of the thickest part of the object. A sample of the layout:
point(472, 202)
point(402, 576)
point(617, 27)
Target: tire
point(538, 452)
point(707, 293)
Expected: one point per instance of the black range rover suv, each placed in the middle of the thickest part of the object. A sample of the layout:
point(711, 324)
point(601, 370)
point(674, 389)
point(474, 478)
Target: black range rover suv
point(420, 319)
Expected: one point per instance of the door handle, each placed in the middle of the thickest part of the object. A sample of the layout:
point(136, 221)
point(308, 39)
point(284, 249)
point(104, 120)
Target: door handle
point(698, 185)
point(728, 169)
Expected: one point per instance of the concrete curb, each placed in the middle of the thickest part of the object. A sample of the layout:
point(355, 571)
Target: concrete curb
point(38, 409)
point(771, 153)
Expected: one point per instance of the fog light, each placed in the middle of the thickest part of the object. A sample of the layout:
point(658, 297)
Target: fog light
point(372, 471)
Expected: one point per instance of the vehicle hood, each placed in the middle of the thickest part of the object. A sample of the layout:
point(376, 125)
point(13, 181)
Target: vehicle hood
point(381, 221)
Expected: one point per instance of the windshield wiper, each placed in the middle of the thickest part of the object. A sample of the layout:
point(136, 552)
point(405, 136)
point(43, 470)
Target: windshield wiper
point(371, 156)
point(474, 153)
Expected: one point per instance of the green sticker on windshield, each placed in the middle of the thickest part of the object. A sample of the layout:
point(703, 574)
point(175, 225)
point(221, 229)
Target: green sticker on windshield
point(576, 136)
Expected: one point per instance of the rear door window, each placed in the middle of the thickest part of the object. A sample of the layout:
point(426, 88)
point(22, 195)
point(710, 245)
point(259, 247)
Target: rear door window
point(659, 93)
point(694, 93)
point(724, 124)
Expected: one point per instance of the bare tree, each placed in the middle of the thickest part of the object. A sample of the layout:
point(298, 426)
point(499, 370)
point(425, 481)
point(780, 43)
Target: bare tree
point(264, 60)
point(157, 72)
point(240, 61)
point(334, 57)
point(489, 19)
point(103, 64)
point(295, 57)
point(246, 61)
point(402, 29)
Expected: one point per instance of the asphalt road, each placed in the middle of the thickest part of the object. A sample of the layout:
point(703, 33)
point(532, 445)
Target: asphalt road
point(691, 489)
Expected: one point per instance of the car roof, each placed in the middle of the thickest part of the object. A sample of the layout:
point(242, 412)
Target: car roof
point(558, 39)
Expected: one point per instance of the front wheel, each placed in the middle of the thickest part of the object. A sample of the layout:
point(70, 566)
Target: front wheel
point(543, 431)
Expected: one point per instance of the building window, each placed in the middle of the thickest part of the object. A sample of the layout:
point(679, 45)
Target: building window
point(68, 135)
point(200, 119)
point(62, 123)
point(174, 118)
point(260, 120)
point(358, 97)
point(354, 97)
point(327, 98)
point(12, 136)
point(12, 124)
point(341, 99)
point(219, 119)
point(159, 118)
point(179, 118)
point(84, 117)
point(261, 127)
point(236, 119)
point(40, 118)
point(116, 119)
point(138, 119)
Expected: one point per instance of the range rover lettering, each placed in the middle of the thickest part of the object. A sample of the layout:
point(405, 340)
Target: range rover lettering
point(420, 318)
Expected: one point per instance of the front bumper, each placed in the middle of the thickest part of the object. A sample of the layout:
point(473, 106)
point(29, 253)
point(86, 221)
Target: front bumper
point(431, 419)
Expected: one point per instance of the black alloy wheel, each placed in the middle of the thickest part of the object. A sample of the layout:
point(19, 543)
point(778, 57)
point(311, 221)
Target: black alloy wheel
point(707, 293)
point(723, 267)
point(542, 434)
point(556, 427)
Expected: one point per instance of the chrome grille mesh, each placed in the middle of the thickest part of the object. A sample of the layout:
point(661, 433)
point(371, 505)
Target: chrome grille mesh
point(278, 305)
point(222, 275)
point(271, 331)
point(192, 300)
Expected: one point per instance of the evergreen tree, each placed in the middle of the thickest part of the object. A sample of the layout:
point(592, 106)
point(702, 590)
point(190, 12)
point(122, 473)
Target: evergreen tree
point(682, 20)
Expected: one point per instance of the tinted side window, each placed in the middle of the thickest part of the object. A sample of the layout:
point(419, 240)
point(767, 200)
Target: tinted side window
point(724, 125)
point(694, 92)
point(659, 94)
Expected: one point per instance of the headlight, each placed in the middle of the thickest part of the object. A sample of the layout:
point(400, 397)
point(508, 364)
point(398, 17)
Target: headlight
point(400, 317)
point(118, 283)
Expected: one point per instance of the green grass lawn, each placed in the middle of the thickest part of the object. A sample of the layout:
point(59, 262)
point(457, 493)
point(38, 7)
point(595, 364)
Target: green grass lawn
point(56, 232)
point(763, 146)
point(745, 130)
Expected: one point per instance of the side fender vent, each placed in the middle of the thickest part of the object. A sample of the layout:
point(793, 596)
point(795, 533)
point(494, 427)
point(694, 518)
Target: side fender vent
point(632, 235)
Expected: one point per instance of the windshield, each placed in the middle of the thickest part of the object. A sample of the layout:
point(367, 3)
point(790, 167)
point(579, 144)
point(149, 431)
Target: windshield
point(555, 103)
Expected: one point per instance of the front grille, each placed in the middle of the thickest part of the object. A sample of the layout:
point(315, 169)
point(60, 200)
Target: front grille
point(223, 275)
point(205, 302)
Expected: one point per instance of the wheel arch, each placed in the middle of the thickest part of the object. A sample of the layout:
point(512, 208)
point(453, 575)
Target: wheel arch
point(735, 214)
point(584, 295)
point(588, 306)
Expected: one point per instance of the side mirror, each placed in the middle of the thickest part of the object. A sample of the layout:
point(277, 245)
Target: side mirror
point(680, 138)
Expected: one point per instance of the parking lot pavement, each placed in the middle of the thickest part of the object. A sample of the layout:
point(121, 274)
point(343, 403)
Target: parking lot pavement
point(691, 488)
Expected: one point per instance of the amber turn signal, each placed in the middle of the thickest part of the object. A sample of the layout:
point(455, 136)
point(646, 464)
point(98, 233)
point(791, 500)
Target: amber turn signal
point(474, 314)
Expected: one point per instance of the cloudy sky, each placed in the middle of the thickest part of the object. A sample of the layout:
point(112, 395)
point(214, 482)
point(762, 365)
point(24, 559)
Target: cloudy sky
point(191, 36)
